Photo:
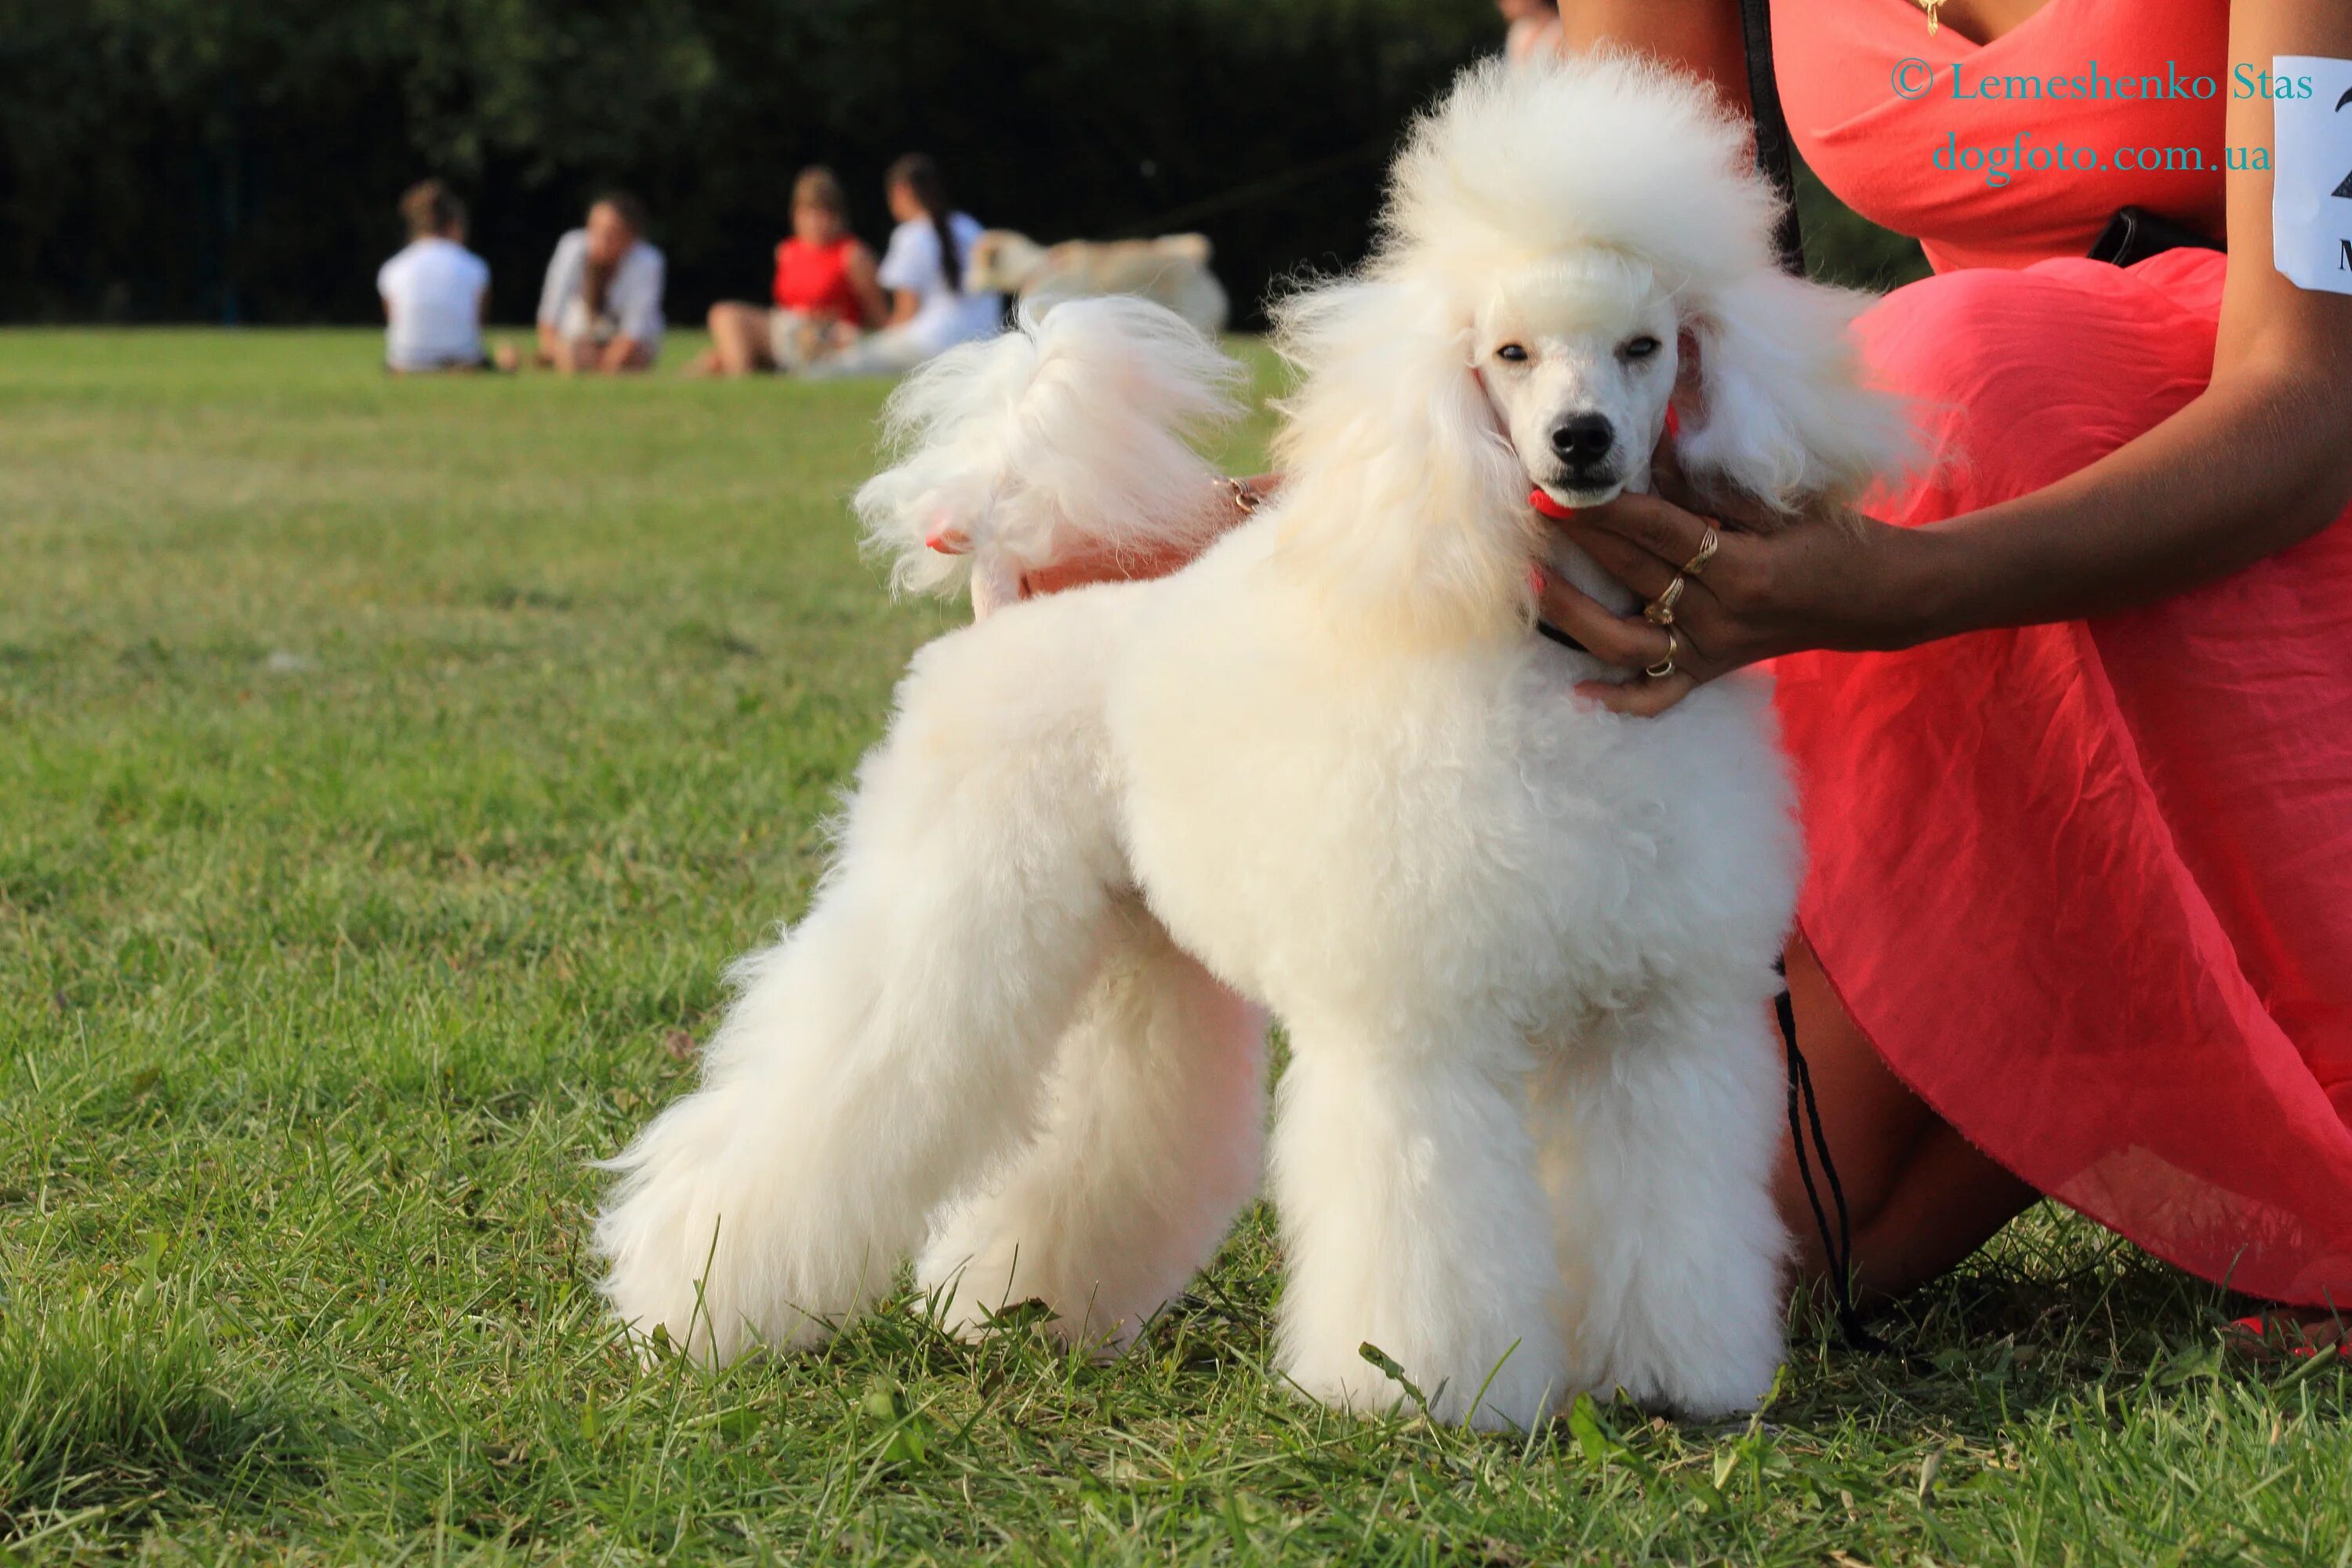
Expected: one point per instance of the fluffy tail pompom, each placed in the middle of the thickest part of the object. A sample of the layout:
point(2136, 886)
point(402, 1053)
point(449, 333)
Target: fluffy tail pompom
point(1069, 438)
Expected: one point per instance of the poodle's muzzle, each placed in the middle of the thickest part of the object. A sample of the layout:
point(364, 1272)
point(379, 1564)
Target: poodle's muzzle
point(1586, 445)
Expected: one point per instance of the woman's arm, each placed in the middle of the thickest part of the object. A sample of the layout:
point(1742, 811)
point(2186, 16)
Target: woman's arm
point(1701, 36)
point(2258, 461)
point(1228, 502)
point(873, 305)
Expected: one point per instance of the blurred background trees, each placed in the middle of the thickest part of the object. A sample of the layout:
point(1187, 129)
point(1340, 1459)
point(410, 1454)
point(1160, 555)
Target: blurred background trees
point(238, 160)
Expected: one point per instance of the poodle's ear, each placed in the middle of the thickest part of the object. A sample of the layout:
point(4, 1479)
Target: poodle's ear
point(1401, 487)
point(1783, 412)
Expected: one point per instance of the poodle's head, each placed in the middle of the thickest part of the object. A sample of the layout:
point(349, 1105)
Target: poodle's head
point(1570, 251)
point(1577, 358)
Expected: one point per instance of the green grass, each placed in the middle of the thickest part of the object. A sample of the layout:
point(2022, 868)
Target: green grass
point(386, 772)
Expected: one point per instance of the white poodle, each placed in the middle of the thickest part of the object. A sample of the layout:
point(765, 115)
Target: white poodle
point(1522, 947)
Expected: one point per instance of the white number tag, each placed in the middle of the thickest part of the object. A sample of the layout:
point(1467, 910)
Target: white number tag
point(2311, 196)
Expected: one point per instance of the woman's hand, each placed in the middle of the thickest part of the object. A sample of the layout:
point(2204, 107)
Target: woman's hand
point(1774, 585)
point(1227, 505)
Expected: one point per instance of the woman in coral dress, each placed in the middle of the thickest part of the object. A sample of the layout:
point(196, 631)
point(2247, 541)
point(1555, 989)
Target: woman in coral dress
point(2078, 783)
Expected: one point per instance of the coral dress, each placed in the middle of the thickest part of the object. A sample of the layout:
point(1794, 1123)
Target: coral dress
point(2087, 887)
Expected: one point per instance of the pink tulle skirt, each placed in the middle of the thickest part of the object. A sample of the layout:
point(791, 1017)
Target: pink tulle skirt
point(2088, 887)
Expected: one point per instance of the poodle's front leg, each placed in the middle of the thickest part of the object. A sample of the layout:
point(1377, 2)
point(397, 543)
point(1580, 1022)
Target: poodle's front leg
point(1413, 1220)
point(1671, 1242)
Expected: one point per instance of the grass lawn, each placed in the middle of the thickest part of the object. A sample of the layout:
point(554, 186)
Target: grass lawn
point(386, 772)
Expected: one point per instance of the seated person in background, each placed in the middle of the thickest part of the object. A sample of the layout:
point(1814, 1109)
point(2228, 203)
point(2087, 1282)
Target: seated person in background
point(600, 307)
point(930, 310)
point(825, 293)
point(434, 291)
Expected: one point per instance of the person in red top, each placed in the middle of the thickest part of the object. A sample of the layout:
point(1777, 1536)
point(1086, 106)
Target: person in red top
point(825, 289)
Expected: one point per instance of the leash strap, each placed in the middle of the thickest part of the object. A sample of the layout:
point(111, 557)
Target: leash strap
point(1773, 148)
point(1837, 1250)
point(1778, 163)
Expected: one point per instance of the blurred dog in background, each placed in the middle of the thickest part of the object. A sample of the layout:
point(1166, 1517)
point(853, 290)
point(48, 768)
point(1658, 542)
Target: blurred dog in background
point(1171, 271)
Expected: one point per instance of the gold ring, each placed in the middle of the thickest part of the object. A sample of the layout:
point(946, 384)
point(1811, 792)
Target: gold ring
point(1709, 544)
point(1660, 611)
point(1665, 666)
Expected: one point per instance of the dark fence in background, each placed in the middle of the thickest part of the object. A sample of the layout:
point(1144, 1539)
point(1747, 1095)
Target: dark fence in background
point(238, 160)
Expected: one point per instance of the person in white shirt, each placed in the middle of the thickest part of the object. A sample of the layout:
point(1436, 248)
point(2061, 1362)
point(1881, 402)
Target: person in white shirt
point(601, 307)
point(434, 291)
point(931, 311)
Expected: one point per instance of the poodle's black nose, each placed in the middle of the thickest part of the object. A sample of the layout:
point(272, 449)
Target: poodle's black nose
point(1583, 438)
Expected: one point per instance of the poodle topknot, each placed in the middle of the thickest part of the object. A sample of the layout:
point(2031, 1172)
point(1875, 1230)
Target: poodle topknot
point(1599, 151)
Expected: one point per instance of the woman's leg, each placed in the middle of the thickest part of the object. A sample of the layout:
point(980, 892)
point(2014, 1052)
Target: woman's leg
point(739, 338)
point(1918, 1195)
point(892, 350)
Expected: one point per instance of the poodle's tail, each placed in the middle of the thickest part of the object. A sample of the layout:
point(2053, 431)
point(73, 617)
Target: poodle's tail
point(1067, 439)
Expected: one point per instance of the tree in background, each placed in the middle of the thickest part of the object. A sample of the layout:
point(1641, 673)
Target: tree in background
point(231, 160)
point(221, 159)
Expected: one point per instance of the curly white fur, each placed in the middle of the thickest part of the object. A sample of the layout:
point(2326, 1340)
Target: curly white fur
point(1070, 435)
point(1523, 946)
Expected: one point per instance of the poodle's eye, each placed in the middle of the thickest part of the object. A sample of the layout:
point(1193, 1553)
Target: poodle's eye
point(1640, 348)
point(1511, 354)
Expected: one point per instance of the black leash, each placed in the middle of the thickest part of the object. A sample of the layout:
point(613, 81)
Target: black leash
point(1836, 1251)
point(1777, 161)
point(1553, 634)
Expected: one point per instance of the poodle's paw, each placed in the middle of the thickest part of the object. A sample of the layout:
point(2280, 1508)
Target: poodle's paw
point(1704, 1384)
point(699, 1302)
point(1703, 1341)
point(978, 1279)
point(712, 1258)
point(672, 1285)
point(1515, 1392)
point(971, 1285)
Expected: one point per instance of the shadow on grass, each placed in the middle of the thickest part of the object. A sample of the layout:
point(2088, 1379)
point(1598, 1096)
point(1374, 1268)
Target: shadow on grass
point(119, 1407)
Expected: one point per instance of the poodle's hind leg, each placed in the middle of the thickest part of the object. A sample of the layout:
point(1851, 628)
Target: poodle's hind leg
point(886, 1052)
point(1671, 1244)
point(1152, 1147)
point(1413, 1220)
